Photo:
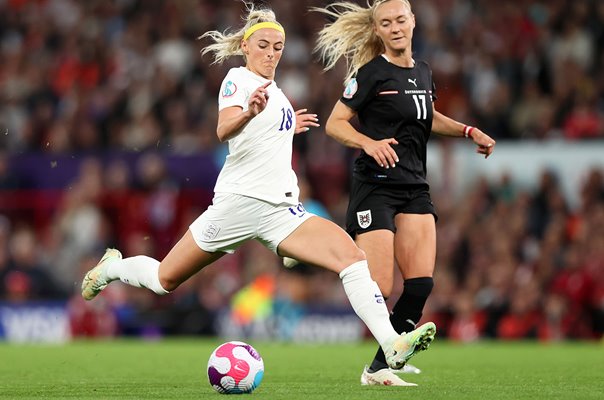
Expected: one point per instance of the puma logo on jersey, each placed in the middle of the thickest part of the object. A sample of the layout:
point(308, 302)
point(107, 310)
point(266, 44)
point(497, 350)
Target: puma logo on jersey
point(412, 81)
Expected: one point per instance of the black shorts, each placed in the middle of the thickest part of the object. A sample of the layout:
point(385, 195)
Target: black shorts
point(373, 206)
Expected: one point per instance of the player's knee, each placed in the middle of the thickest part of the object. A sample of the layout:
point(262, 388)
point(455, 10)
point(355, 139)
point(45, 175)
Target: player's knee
point(345, 257)
point(341, 257)
point(168, 282)
point(354, 255)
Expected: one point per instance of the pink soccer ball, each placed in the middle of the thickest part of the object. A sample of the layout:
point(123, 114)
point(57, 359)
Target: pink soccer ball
point(235, 367)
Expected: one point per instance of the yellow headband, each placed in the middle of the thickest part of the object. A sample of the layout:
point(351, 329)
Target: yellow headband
point(262, 25)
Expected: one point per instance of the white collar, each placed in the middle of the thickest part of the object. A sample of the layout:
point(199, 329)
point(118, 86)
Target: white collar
point(387, 59)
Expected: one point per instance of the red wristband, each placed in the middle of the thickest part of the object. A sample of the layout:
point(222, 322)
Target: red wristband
point(467, 131)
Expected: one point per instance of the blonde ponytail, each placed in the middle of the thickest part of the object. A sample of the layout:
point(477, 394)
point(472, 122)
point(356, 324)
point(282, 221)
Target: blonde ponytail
point(350, 36)
point(229, 45)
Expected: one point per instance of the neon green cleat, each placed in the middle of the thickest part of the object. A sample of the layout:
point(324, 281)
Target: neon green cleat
point(95, 280)
point(401, 348)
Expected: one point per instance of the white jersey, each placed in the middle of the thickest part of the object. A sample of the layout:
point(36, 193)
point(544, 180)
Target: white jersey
point(260, 156)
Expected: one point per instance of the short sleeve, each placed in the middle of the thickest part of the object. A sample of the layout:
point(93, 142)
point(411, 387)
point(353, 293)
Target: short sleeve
point(433, 95)
point(360, 89)
point(233, 91)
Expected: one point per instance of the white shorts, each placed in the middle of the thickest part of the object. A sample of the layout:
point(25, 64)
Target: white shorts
point(233, 219)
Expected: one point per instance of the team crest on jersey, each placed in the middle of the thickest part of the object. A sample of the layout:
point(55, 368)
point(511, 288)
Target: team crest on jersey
point(351, 89)
point(229, 89)
point(364, 218)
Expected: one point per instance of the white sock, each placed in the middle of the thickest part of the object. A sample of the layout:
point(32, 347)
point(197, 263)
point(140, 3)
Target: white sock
point(367, 300)
point(139, 271)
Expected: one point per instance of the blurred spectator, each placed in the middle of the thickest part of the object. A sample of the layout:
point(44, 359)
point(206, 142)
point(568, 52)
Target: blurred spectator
point(557, 321)
point(5, 228)
point(161, 202)
point(583, 122)
point(25, 276)
point(521, 321)
point(79, 225)
point(8, 179)
point(468, 323)
point(543, 203)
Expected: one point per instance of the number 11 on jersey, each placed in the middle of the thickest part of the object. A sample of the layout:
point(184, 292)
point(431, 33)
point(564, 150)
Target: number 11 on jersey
point(422, 112)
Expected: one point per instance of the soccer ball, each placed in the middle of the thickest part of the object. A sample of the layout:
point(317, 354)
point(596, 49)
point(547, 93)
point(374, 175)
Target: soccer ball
point(235, 367)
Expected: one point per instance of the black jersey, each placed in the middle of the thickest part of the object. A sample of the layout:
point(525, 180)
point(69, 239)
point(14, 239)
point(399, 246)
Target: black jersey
point(393, 102)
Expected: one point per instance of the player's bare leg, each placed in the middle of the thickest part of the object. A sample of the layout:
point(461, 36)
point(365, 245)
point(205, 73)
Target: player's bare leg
point(184, 260)
point(321, 242)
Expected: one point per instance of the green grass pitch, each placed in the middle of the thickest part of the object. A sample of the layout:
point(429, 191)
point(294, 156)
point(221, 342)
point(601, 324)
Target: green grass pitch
point(176, 369)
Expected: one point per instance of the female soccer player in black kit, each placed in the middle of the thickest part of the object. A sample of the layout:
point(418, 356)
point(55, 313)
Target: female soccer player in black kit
point(390, 214)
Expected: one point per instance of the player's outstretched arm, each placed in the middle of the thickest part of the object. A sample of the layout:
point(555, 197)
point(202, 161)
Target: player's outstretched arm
point(445, 126)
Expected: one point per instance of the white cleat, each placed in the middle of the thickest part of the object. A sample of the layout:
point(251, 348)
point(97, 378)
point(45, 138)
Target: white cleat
point(407, 369)
point(95, 280)
point(400, 349)
point(383, 377)
point(290, 262)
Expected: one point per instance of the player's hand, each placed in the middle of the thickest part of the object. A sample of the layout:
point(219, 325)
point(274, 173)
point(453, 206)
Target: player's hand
point(304, 121)
point(382, 152)
point(258, 100)
point(486, 145)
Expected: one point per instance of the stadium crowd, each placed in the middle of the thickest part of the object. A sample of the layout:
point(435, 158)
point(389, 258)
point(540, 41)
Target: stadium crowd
point(119, 87)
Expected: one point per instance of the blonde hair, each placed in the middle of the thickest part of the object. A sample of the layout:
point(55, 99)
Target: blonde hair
point(351, 35)
point(227, 45)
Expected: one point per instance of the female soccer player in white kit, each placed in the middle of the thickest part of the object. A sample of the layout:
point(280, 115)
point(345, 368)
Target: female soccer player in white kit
point(256, 195)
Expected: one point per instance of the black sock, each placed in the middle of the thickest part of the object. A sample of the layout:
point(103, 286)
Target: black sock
point(406, 313)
